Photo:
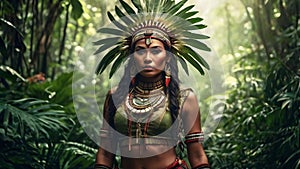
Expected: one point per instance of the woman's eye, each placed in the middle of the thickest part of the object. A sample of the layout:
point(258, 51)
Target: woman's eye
point(140, 52)
point(155, 51)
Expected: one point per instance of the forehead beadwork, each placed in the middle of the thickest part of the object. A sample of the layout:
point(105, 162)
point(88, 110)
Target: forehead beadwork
point(148, 35)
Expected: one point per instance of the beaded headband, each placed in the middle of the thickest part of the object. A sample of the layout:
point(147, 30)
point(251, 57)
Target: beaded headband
point(172, 23)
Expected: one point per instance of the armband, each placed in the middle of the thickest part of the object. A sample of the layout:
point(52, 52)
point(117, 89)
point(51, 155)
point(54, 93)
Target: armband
point(100, 166)
point(197, 137)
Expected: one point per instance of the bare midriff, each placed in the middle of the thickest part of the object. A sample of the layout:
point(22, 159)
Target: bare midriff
point(158, 161)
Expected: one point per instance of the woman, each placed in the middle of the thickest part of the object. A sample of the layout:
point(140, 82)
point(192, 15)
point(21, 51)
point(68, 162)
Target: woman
point(148, 111)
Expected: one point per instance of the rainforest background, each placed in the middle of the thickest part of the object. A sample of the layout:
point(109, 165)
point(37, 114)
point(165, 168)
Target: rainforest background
point(257, 42)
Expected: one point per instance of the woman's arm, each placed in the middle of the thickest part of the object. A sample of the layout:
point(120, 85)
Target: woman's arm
point(192, 125)
point(104, 156)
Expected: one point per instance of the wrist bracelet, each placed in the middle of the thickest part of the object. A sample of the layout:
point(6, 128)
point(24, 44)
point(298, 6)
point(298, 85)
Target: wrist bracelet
point(101, 166)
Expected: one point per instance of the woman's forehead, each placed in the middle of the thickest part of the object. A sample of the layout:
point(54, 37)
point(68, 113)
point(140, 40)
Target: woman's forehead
point(154, 43)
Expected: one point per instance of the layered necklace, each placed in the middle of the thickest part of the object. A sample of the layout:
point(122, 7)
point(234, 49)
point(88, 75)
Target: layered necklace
point(145, 99)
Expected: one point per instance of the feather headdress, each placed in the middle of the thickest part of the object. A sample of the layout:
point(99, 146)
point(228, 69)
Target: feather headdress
point(166, 20)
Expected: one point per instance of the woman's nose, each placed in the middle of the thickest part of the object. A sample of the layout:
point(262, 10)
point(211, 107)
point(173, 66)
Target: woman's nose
point(148, 57)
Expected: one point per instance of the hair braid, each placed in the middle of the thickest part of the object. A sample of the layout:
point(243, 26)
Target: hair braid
point(120, 93)
point(173, 89)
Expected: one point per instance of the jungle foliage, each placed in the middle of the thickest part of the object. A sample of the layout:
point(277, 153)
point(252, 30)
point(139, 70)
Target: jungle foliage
point(40, 42)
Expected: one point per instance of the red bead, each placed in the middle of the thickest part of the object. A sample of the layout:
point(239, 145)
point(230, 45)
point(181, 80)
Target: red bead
point(168, 79)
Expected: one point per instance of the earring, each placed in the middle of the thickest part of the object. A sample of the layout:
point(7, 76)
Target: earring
point(168, 74)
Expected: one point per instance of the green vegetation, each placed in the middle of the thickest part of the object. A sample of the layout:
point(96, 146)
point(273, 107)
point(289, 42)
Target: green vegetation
point(40, 44)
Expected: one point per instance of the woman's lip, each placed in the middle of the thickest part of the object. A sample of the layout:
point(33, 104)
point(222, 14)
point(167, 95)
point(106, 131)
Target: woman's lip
point(148, 68)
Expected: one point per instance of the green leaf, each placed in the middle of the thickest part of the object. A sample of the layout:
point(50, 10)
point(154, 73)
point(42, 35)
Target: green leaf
point(3, 49)
point(10, 74)
point(76, 9)
point(196, 44)
point(110, 56)
point(127, 8)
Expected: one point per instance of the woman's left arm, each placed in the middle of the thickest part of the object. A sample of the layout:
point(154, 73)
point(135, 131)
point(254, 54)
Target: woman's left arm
point(192, 125)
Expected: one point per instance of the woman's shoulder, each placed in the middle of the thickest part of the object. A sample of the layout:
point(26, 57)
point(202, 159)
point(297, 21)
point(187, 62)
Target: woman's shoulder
point(186, 94)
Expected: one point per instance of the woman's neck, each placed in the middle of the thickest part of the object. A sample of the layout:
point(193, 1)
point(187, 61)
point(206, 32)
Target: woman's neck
point(149, 83)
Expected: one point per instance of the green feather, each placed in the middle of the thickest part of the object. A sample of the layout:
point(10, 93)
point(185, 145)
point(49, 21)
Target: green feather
point(193, 62)
point(183, 11)
point(106, 40)
point(137, 4)
point(196, 27)
point(127, 8)
point(195, 20)
point(188, 14)
point(123, 17)
point(177, 6)
point(112, 31)
point(196, 44)
point(196, 56)
point(110, 56)
point(105, 46)
point(183, 64)
point(118, 24)
point(117, 63)
point(187, 34)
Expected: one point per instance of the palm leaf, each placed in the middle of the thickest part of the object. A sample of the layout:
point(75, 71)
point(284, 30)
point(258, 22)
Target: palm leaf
point(196, 44)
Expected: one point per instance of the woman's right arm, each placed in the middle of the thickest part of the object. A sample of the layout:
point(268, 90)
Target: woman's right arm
point(104, 156)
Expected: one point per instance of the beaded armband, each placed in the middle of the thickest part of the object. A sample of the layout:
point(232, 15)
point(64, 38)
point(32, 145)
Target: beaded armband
point(197, 137)
point(106, 133)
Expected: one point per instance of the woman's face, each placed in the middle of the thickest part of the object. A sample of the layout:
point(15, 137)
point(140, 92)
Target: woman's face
point(150, 59)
